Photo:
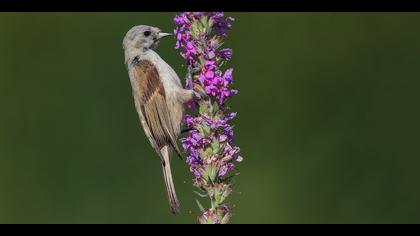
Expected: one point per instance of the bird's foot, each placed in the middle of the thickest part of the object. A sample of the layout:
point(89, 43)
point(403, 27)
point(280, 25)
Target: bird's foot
point(191, 72)
point(199, 89)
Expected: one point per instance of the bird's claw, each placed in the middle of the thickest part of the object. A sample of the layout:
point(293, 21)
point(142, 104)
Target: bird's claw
point(199, 89)
point(189, 75)
point(194, 70)
point(191, 72)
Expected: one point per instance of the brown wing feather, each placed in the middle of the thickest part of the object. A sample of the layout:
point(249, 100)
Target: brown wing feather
point(153, 105)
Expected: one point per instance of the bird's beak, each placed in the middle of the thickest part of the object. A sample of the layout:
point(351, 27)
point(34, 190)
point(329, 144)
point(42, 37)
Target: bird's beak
point(161, 35)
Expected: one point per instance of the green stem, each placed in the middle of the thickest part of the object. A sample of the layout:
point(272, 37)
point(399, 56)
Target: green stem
point(213, 207)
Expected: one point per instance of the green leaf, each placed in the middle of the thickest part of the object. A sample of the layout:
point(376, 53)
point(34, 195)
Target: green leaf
point(200, 129)
point(222, 63)
point(195, 30)
point(204, 22)
point(199, 50)
point(218, 116)
point(203, 108)
point(215, 145)
point(200, 206)
point(217, 198)
point(211, 23)
point(208, 152)
point(206, 130)
point(209, 28)
point(226, 218)
point(219, 45)
point(205, 174)
point(201, 61)
point(210, 108)
point(212, 173)
point(215, 107)
point(203, 154)
point(201, 194)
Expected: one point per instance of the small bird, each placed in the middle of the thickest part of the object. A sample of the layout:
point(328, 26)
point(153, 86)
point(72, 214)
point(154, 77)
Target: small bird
point(158, 97)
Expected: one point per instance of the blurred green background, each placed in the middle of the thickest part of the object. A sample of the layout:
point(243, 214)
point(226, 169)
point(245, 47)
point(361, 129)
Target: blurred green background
point(328, 120)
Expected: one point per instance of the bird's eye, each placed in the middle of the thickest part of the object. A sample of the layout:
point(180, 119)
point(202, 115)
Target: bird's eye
point(146, 33)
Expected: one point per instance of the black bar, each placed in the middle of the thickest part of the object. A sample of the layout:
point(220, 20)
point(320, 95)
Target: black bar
point(210, 5)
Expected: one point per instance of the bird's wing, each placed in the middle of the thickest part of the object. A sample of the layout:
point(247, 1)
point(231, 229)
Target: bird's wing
point(152, 102)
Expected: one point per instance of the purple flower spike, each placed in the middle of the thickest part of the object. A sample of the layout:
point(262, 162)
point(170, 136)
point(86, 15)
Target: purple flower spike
point(212, 155)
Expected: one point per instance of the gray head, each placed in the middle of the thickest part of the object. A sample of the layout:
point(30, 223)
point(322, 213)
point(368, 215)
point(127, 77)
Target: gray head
point(142, 37)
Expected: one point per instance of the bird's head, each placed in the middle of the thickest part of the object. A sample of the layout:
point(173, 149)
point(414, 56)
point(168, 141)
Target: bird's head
point(143, 37)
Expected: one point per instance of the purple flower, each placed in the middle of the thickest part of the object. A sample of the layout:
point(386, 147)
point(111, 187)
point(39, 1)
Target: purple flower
point(222, 138)
point(221, 23)
point(225, 54)
point(228, 76)
point(195, 171)
point(181, 19)
point(190, 120)
point(225, 168)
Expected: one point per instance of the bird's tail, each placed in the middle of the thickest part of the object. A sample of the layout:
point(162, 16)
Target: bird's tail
point(169, 184)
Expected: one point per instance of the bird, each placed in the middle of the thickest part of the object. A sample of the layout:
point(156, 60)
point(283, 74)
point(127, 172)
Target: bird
point(159, 98)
